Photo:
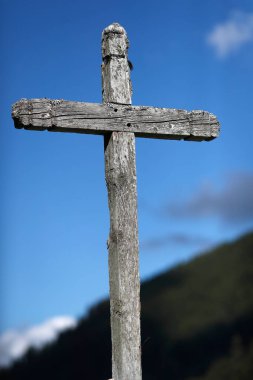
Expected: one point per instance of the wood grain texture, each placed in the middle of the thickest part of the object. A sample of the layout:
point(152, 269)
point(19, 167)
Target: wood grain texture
point(123, 246)
point(161, 123)
point(119, 122)
point(116, 80)
point(123, 256)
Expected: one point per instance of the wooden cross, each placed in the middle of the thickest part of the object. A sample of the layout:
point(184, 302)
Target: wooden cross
point(119, 122)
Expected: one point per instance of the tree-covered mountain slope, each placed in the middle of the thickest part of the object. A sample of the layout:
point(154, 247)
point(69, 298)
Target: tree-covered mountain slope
point(197, 324)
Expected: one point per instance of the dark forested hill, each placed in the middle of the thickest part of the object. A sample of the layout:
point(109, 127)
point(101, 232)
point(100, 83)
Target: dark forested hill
point(197, 324)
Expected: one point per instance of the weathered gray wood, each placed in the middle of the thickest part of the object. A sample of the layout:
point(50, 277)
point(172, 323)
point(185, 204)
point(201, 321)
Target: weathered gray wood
point(119, 122)
point(116, 83)
point(123, 256)
point(120, 171)
point(67, 116)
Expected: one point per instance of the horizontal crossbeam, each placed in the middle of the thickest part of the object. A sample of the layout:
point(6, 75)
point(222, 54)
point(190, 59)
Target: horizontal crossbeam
point(100, 119)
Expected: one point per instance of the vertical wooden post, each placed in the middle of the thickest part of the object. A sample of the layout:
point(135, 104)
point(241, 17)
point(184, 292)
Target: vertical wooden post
point(120, 172)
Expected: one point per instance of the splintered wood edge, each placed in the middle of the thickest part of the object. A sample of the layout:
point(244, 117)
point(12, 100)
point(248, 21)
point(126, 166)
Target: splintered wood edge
point(100, 119)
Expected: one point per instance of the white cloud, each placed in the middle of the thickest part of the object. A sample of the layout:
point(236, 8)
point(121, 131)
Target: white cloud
point(15, 343)
point(229, 36)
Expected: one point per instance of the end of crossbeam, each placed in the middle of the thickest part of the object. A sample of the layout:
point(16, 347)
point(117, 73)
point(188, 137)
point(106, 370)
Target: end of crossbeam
point(204, 126)
point(33, 114)
point(15, 114)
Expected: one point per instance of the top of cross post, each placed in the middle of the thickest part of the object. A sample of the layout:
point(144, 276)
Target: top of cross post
point(115, 27)
point(114, 41)
point(116, 80)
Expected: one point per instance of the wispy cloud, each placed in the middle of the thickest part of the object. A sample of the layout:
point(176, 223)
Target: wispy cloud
point(232, 203)
point(14, 343)
point(175, 239)
point(229, 36)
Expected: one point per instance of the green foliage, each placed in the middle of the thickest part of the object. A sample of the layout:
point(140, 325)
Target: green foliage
point(196, 325)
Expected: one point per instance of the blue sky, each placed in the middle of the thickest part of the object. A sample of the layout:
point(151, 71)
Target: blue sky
point(54, 220)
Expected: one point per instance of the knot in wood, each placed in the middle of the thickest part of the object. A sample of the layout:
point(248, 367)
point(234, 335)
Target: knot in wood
point(118, 308)
point(116, 236)
point(122, 180)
